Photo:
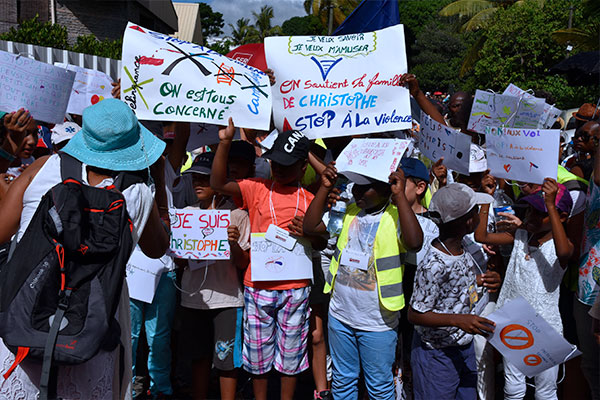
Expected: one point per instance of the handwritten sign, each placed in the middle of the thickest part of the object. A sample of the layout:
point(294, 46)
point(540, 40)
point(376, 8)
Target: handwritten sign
point(491, 109)
point(526, 155)
point(41, 88)
point(340, 85)
point(199, 234)
point(90, 87)
point(375, 158)
point(169, 79)
point(143, 275)
point(550, 113)
point(527, 340)
point(437, 140)
point(271, 262)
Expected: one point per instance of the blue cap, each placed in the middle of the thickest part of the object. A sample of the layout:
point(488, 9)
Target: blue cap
point(112, 138)
point(415, 168)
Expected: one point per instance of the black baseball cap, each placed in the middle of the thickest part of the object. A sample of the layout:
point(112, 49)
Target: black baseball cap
point(242, 149)
point(202, 164)
point(289, 147)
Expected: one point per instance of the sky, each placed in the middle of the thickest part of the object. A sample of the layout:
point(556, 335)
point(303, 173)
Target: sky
point(233, 10)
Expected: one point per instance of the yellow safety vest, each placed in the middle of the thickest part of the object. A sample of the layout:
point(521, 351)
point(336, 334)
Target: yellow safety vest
point(386, 252)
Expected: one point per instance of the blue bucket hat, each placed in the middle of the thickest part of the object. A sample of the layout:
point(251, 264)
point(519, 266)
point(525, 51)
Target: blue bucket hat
point(112, 138)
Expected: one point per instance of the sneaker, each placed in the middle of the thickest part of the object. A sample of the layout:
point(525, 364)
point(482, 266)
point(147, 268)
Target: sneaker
point(323, 395)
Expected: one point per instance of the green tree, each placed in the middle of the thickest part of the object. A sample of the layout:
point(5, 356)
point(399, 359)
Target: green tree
point(212, 22)
point(307, 25)
point(340, 10)
point(88, 44)
point(222, 46)
point(518, 48)
point(586, 37)
point(243, 33)
point(263, 23)
point(32, 31)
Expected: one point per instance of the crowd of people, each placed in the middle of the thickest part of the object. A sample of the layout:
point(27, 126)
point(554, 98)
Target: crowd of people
point(401, 289)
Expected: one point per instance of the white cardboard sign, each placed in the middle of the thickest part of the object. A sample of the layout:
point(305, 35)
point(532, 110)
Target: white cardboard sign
point(437, 140)
point(143, 275)
point(491, 109)
point(527, 340)
point(169, 79)
point(199, 234)
point(550, 113)
point(526, 155)
point(271, 262)
point(90, 87)
point(340, 85)
point(41, 88)
point(375, 158)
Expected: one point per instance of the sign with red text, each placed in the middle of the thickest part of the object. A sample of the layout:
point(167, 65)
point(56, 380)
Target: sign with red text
point(168, 79)
point(437, 141)
point(375, 158)
point(199, 234)
point(41, 88)
point(527, 340)
point(340, 85)
point(526, 155)
point(90, 87)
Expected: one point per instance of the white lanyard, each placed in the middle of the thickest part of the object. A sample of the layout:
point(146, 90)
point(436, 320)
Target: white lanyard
point(370, 243)
point(272, 208)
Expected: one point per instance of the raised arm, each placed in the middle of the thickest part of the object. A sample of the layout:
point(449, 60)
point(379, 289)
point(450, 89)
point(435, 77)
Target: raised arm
point(426, 106)
point(218, 176)
point(313, 223)
point(412, 235)
point(488, 185)
point(564, 247)
point(177, 151)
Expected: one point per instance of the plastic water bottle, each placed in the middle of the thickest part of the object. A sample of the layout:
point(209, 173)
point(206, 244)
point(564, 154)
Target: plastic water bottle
point(336, 213)
point(502, 204)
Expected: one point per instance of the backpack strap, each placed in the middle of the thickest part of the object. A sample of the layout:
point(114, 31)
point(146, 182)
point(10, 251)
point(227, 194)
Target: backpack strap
point(70, 167)
point(126, 179)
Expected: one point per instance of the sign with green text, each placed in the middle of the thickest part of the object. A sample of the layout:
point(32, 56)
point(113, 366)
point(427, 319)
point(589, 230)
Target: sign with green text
point(169, 79)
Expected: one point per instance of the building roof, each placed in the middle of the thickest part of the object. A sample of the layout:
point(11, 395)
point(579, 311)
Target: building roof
point(190, 27)
point(162, 9)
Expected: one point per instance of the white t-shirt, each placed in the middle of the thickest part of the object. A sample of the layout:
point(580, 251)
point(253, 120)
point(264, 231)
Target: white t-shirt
point(217, 285)
point(355, 298)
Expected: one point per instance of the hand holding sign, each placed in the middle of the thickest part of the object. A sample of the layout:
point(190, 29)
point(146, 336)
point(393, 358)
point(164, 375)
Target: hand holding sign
point(474, 324)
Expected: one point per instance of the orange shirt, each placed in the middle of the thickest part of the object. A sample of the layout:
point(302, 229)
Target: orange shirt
point(256, 193)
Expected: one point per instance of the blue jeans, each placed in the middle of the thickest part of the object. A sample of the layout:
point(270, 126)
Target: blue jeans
point(353, 349)
point(443, 374)
point(157, 318)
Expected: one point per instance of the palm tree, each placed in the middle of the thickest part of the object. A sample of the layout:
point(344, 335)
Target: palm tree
point(263, 21)
point(479, 14)
point(340, 9)
point(587, 38)
point(243, 32)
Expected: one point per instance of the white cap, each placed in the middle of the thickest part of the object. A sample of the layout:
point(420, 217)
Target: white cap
point(64, 131)
point(455, 200)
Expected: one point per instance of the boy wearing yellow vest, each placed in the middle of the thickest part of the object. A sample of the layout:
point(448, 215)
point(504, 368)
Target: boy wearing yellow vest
point(365, 279)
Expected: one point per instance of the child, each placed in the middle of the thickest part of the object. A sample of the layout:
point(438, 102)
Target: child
point(443, 301)
point(365, 276)
point(276, 324)
point(537, 264)
point(212, 300)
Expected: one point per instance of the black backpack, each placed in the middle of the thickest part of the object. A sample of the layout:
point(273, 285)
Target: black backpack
point(60, 289)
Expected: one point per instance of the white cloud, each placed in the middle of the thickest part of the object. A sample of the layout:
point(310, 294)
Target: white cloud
point(233, 10)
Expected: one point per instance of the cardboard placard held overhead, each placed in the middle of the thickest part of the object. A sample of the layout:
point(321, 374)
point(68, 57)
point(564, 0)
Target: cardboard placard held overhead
point(199, 234)
point(169, 79)
point(90, 87)
point(340, 85)
point(41, 88)
point(375, 158)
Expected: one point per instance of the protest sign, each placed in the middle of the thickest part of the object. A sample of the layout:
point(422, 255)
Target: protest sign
point(437, 140)
point(271, 262)
point(199, 234)
point(143, 275)
point(527, 340)
point(550, 113)
point(165, 78)
point(41, 88)
point(491, 109)
point(526, 155)
point(340, 85)
point(375, 158)
point(89, 87)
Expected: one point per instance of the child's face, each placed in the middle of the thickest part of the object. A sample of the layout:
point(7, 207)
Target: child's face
point(536, 221)
point(240, 168)
point(28, 145)
point(370, 197)
point(413, 189)
point(472, 220)
point(285, 175)
point(202, 187)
